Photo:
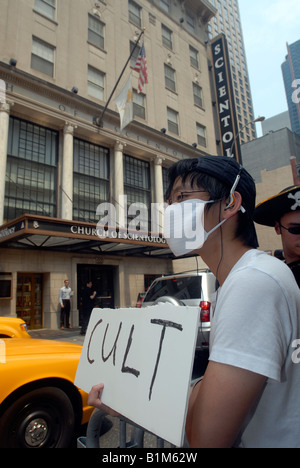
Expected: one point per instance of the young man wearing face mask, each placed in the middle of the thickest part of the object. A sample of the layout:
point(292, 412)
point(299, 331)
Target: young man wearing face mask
point(249, 395)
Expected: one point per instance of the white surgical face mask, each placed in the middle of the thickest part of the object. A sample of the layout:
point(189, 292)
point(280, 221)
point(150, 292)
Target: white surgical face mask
point(184, 226)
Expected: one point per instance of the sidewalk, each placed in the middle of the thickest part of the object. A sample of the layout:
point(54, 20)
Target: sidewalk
point(72, 335)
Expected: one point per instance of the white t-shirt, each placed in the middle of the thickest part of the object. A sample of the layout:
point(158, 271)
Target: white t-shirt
point(255, 323)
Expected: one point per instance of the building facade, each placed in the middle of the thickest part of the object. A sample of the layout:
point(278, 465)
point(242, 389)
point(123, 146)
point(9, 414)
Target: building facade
point(277, 122)
point(228, 21)
point(291, 77)
point(59, 61)
point(272, 160)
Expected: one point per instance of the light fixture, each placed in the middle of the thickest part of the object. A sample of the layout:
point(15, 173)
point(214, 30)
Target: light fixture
point(75, 90)
point(258, 119)
point(12, 62)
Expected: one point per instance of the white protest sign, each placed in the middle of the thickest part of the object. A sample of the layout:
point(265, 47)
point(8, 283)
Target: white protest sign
point(145, 359)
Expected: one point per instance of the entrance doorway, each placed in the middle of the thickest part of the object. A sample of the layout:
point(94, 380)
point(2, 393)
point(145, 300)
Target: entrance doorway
point(102, 278)
point(29, 299)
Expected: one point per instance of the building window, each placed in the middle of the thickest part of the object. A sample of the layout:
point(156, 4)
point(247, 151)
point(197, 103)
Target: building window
point(198, 95)
point(91, 179)
point(194, 57)
point(96, 83)
point(139, 105)
point(173, 121)
point(96, 32)
point(167, 34)
point(46, 8)
point(135, 54)
point(31, 176)
point(135, 13)
point(165, 177)
point(165, 5)
point(190, 22)
point(137, 187)
point(42, 57)
point(170, 78)
point(201, 135)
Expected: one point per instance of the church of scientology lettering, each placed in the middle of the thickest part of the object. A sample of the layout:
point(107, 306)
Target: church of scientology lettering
point(225, 99)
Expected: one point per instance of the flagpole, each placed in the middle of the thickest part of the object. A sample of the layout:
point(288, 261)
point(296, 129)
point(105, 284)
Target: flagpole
point(99, 120)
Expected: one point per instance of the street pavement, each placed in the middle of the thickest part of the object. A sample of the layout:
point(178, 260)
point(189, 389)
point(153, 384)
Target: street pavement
point(111, 438)
point(68, 334)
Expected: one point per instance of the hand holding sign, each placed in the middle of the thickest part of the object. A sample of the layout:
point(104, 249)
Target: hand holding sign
point(95, 400)
point(138, 353)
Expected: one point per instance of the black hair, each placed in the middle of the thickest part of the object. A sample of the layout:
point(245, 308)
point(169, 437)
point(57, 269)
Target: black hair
point(217, 190)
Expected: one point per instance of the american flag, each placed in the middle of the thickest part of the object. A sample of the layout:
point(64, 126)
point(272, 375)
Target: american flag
point(141, 67)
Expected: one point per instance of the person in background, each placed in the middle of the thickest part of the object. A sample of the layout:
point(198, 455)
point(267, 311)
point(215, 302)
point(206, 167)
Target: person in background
point(283, 213)
point(65, 295)
point(88, 298)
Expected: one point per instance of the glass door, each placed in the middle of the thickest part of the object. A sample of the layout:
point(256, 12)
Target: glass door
point(29, 299)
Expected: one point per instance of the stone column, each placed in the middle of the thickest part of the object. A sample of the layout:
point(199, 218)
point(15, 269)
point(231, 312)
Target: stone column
point(119, 200)
point(4, 125)
point(157, 211)
point(67, 173)
point(158, 180)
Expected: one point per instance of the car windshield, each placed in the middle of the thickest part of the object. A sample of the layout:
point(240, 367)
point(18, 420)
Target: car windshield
point(182, 288)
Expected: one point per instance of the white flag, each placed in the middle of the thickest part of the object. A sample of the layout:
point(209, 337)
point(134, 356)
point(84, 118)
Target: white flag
point(124, 102)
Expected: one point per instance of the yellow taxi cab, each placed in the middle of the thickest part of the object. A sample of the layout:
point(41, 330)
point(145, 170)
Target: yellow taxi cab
point(39, 404)
point(11, 327)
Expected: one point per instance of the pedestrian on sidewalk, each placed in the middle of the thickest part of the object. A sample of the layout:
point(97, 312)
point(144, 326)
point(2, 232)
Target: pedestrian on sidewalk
point(88, 299)
point(65, 295)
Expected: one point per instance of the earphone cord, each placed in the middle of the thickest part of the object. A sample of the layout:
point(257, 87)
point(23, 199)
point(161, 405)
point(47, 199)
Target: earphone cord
point(221, 259)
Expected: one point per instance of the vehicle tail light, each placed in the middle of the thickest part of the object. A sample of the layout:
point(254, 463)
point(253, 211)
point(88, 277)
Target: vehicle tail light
point(205, 311)
point(23, 327)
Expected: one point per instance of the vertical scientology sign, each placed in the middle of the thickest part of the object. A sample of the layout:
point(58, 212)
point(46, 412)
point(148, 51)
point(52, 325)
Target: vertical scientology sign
point(225, 99)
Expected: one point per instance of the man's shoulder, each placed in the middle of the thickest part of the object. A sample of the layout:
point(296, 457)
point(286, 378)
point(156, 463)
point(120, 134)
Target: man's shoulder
point(261, 261)
point(264, 274)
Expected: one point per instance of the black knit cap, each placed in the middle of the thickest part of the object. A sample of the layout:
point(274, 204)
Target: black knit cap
point(226, 170)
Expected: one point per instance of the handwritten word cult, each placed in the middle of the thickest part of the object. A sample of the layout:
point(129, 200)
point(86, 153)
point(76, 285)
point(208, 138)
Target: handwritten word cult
point(125, 368)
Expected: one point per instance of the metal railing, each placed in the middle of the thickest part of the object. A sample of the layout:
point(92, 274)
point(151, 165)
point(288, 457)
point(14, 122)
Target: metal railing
point(92, 439)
